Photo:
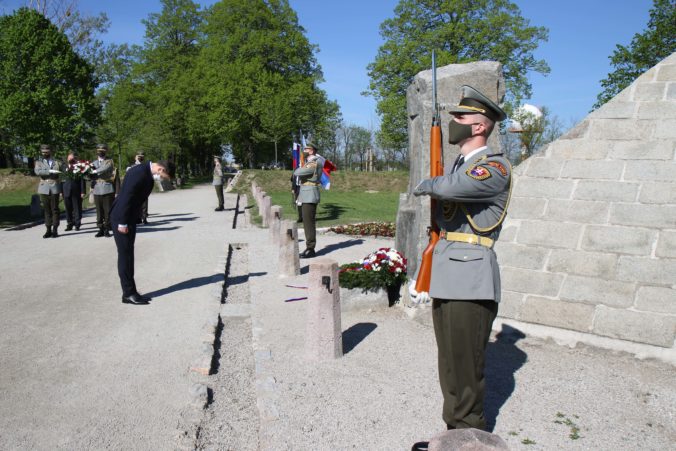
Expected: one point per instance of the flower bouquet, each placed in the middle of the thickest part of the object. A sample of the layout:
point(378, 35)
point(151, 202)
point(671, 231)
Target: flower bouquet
point(79, 169)
point(382, 269)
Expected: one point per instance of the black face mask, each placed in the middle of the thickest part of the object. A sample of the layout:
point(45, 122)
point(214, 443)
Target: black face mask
point(458, 132)
point(71, 161)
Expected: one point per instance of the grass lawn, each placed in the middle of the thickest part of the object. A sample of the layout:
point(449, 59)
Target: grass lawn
point(15, 198)
point(354, 196)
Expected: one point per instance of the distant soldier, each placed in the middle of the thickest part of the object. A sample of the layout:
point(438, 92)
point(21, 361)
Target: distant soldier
point(74, 189)
point(140, 158)
point(103, 186)
point(218, 182)
point(49, 189)
point(308, 196)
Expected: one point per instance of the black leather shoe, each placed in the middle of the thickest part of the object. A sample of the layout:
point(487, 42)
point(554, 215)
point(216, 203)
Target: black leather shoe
point(77, 227)
point(420, 446)
point(69, 227)
point(134, 299)
point(99, 234)
point(219, 209)
point(143, 297)
point(48, 234)
point(55, 232)
point(307, 253)
point(145, 221)
point(107, 234)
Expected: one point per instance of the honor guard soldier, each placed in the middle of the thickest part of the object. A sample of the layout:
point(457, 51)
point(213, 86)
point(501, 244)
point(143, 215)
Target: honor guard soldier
point(103, 187)
point(218, 182)
point(49, 189)
point(308, 196)
point(472, 201)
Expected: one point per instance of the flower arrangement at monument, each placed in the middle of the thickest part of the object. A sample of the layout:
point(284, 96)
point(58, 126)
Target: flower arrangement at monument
point(78, 170)
point(383, 268)
point(367, 228)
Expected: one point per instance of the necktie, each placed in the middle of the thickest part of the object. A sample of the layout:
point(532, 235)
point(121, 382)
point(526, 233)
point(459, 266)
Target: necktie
point(458, 162)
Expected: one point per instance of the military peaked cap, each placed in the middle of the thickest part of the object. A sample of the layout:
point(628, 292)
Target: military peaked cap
point(102, 147)
point(473, 102)
point(45, 148)
point(310, 145)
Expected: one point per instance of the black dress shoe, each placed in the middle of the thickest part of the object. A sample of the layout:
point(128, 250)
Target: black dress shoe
point(307, 253)
point(69, 227)
point(134, 299)
point(99, 234)
point(48, 234)
point(77, 227)
point(145, 221)
point(143, 297)
point(420, 446)
point(108, 234)
point(219, 209)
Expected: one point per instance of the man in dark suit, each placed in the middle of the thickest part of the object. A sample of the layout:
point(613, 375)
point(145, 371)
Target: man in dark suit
point(73, 192)
point(124, 215)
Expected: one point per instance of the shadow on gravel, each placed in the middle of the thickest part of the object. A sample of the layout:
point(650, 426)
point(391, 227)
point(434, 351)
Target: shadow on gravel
point(503, 359)
point(155, 215)
point(244, 278)
point(355, 334)
point(146, 229)
point(185, 285)
point(167, 221)
point(343, 244)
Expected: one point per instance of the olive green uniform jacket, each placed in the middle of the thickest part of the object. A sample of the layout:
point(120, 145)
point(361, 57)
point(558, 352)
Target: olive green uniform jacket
point(49, 183)
point(309, 176)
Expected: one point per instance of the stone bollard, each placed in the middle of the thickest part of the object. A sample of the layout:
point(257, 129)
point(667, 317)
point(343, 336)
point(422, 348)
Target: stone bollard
point(323, 337)
point(36, 208)
point(275, 223)
point(265, 209)
point(289, 260)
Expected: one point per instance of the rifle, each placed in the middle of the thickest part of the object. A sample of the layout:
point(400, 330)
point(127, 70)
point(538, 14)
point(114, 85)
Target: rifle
point(436, 170)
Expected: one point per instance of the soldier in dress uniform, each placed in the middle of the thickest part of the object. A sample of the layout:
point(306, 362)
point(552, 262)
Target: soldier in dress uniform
point(308, 196)
point(73, 193)
point(104, 188)
point(218, 182)
point(49, 189)
point(465, 278)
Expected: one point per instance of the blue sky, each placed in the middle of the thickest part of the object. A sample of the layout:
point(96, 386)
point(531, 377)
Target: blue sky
point(582, 35)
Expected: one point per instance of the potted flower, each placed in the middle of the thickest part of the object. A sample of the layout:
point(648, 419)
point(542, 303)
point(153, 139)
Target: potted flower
point(382, 271)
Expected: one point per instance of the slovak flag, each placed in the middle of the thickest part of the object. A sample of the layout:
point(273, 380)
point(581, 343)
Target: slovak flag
point(295, 155)
point(325, 178)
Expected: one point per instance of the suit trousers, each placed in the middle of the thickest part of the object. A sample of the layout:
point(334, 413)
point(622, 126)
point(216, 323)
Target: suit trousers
point(73, 204)
point(103, 203)
point(309, 211)
point(125, 259)
point(219, 194)
point(144, 210)
point(50, 205)
point(462, 330)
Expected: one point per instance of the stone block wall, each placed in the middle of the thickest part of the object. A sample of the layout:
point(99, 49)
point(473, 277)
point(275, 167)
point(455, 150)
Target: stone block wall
point(589, 244)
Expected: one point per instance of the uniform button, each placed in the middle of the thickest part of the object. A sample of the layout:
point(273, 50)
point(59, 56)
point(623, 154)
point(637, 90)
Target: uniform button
point(464, 257)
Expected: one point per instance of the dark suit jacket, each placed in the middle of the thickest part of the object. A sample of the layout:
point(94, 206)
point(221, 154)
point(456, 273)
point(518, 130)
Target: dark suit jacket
point(137, 186)
point(74, 187)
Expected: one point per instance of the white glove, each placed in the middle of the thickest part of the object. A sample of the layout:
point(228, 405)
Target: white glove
point(422, 297)
point(94, 171)
point(54, 171)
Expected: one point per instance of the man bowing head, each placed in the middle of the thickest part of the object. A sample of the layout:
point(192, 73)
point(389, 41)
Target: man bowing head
point(125, 213)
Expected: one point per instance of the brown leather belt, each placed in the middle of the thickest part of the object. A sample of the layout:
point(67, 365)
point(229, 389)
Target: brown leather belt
point(467, 238)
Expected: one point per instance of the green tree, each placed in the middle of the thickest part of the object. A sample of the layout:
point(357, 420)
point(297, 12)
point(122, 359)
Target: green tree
point(460, 32)
point(646, 50)
point(46, 88)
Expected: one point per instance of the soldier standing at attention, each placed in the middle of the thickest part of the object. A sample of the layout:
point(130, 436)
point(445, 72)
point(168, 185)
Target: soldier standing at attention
point(49, 189)
point(308, 197)
point(103, 187)
point(73, 193)
point(218, 182)
point(465, 278)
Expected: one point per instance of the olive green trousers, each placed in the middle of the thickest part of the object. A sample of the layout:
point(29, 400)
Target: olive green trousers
point(462, 330)
point(309, 211)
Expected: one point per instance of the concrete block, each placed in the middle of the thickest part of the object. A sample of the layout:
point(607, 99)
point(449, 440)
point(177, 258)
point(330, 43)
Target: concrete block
point(621, 129)
point(643, 215)
point(549, 234)
point(323, 333)
point(520, 256)
point(595, 170)
point(650, 171)
point(544, 167)
point(656, 299)
point(546, 188)
point(526, 207)
point(665, 129)
point(658, 193)
point(616, 109)
point(357, 299)
point(582, 263)
point(620, 240)
point(654, 271)
point(608, 191)
point(646, 92)
point(656, 110)
point(510, 304)
point(671, 92)
point(583, 211)
point(639, 151)
point(531, 282)
point(580, 149)
point(509, 229)
point(289, 259)
point(593, 290)
point(551, 312)
point(275, 224)
point(266, 204)
point(666, 244)
point(641, 327)
point(581, 130)
point(666, 72)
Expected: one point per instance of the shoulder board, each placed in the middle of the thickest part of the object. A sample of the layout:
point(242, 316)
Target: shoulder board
point(497, 154)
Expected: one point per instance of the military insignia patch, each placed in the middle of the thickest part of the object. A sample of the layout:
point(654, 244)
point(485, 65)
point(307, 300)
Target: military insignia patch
point(498, 166)
point(478, 172)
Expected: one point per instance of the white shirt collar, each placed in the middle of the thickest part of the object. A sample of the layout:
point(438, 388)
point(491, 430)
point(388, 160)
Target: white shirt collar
point(474, 152)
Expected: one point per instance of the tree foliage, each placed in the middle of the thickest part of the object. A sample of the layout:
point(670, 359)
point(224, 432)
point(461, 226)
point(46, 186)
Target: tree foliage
point(646, 50)
point(460, 32)
point(46, 88)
